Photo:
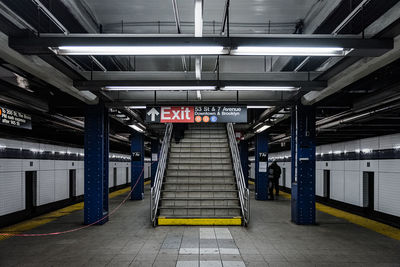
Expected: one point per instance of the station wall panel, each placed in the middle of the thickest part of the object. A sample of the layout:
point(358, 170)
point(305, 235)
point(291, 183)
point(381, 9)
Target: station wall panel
point(346, 183)
point(52, 164)
point(12, 192)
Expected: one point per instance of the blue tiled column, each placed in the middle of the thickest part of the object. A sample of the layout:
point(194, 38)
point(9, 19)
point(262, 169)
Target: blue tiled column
point(137, 164)
point(303, 164)
point(244, 159)
point(155, 150)
point(96, 164)
point(261, 165)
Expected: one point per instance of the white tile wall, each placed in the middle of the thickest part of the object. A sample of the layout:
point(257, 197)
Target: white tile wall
point(12, 192)
point(61, 185)
point(346, 176)
point(52, 175)
point(389, 197)
point(352, 188)
point(46, 185)
point(337, 185)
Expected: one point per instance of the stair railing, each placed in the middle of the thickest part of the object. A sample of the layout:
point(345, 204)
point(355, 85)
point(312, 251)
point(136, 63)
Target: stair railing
point(158, 179)
point(244, 193)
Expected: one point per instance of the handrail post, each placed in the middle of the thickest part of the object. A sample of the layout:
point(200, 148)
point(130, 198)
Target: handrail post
point(244, 195)
point(158, 179)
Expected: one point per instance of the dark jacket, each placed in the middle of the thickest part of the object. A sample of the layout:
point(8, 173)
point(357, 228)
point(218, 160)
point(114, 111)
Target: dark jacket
point(275, 171)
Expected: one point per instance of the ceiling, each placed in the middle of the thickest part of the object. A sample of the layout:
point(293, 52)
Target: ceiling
point(346, 86)
point(143, 16)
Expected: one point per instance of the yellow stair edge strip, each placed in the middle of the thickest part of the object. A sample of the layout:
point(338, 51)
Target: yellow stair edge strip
point(375, 226)
point(51, 216)
point(200, 221)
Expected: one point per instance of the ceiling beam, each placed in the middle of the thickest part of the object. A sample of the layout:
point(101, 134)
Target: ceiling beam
point(361, 47)
point(159, 101)
point(179, 75)
point(99, 84)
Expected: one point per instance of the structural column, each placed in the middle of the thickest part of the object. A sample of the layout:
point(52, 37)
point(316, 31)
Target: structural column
point(303, 164)
point(137, 166)
point(244, 159)
point(155, 150)
point(96, 164)
point(261, 165)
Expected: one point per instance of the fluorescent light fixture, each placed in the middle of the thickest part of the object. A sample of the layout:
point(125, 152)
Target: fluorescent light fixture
point(137, 107)
point(263, 128)
point(120, 115)
point(260, 107)
point(140, 50)
point(260, 88)
point(158, 88)
point(288, 51)
point(136, 128)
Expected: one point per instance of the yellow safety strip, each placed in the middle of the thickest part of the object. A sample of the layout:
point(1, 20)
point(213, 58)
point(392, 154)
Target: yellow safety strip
point(49, 217)
point(147, 182)
point(200, 221)
point(251, 182)
point(375, 226)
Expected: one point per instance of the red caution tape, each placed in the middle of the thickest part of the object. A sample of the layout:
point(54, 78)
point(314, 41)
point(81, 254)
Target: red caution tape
point(85, 226)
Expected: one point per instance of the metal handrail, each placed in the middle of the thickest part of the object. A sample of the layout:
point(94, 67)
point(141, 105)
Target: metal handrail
point(244, 193)
point(158, 179)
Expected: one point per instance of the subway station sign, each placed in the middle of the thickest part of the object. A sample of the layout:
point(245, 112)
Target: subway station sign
point(15, 118)
point(196, 114)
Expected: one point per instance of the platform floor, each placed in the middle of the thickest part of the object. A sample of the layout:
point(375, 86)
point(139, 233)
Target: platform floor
point(128, 239)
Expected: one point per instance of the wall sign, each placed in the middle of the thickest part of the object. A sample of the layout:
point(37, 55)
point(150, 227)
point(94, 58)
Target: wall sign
point(196, 114)
point(15, 118)
point(136, 156)
point(262, 156)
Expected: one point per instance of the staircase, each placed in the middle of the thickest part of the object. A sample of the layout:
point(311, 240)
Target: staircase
point(199, 187)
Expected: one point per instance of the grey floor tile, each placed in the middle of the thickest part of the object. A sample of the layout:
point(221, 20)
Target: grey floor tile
point(164, 263)
point(187, 264)
point(233, 264)
point(270, 239)
point(211, 263)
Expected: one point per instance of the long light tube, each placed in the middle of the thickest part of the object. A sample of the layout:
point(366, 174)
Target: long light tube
point(136, 128)
point(259, 107)
point(262, 129)
point(137, 107)
point(260, 88)
point(288, 51)
point(158, 88)
point(140, 50)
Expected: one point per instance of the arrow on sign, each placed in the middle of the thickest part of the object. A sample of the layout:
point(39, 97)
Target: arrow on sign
point(153, 113)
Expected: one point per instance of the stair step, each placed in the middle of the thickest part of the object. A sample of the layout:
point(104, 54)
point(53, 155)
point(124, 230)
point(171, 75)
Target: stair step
point(176, 183)
point(205, 131)
point(199, 145)
point(199, 161)
point(199, 167)
point(189, 173)
point(200, 217)
point(198, 155)
point(204, 140)
point(200, 190)
point(200, 207)
point(200, 177)
point(228, 181)
point(199, 198)
point(199, 149)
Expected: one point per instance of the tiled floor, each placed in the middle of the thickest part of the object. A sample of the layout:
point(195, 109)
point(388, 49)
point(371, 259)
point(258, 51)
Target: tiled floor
point(128, 239)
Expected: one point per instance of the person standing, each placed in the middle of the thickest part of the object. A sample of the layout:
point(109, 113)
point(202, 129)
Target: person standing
point(274, 173)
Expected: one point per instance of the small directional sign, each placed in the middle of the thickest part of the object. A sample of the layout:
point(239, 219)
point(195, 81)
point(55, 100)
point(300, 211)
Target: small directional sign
point(136, 156)
point(14, 118)
point(196, 114)
point(153, 113)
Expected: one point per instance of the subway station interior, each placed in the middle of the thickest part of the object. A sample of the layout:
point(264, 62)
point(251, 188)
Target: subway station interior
point(200, 133)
